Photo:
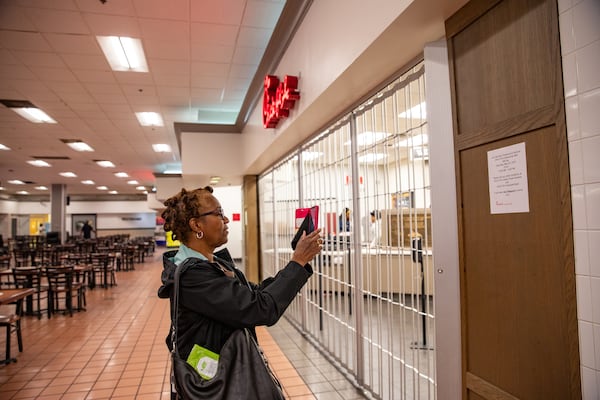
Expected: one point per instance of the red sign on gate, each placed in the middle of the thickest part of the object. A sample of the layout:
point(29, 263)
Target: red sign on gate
point(278, 98)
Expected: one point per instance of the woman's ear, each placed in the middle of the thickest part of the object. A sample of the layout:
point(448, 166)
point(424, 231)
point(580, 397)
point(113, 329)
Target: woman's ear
point(194, 224)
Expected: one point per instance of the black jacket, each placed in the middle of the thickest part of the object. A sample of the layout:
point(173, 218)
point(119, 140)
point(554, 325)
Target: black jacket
point(213, 305)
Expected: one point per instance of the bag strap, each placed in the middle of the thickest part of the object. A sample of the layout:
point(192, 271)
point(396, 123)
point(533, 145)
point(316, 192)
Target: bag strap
point(176, 281)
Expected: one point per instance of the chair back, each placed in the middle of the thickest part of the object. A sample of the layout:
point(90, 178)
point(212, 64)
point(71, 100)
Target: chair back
point(60, 278)
point(27, 277)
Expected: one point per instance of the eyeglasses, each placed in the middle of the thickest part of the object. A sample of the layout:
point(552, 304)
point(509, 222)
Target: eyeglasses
point(217, 212)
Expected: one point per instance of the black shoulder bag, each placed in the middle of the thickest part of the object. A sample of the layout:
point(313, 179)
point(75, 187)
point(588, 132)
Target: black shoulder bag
point(242, 372)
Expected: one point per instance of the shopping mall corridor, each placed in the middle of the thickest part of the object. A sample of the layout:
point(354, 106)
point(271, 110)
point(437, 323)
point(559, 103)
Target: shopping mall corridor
point(116, 350)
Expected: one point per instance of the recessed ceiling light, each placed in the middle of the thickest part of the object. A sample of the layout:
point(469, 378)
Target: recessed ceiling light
point(16, 182)
point(41, 188)
point(102, 188)
point(123, 53)
point(133, 182)
point(38, 163)
point(34, 115)
point(78, 145)
point(140, 188)
point(22, 192)
point(68, 174)
point(104, 163)
point(3, 147)
point(88, 182)
point(149, 118)
point(113, 192)
point(121, 174)
point(161, 148)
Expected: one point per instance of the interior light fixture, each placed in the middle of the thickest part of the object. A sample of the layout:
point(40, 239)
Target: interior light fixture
point(161, 148)
point(68, 174)
point(77, 145)
point(38, 163)
point(121, 174)
point(149, 118)
point(140, 188)
point(88, 182)
point(133, 182)
point(215, 179)
point(3, 147)
point(102, 188)
point(113, 192)
point(22, 192)
point(172, 171)
point(16, 182)
point(123, 53)
point(41, 188)
point(28, 110)
point(104, 163)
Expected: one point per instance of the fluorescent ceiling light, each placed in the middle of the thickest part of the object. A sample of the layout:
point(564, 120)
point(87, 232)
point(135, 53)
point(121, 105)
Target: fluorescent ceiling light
point(172, 171)
point(149, 118)
point(38, 163)
point(123, 53)
point(121, 174)
point(133, 182)
point(140, 188)
point(34, 115)
point(215, 179)
point(104, 163)
point(88, 182)
point(368, 138)
point(161, 148)
point(3, 147)
point(78, 145)
point(68, 174)
point(22, 192)
point(113, 192)
point(16, 182)
point(102, 188)
point(371, 157)
point(417, 112)
point(41, 188)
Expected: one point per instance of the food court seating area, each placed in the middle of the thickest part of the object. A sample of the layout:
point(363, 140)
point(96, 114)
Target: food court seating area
point(56, 276)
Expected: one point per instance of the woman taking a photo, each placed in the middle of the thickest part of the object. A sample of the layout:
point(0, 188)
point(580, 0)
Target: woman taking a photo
point(215, 299)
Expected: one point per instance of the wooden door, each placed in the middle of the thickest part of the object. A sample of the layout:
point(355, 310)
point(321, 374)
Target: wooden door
point(518, 303)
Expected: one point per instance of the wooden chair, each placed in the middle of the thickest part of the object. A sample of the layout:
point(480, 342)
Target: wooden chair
point(12, 323)
point(31, 277)
point(63, 287)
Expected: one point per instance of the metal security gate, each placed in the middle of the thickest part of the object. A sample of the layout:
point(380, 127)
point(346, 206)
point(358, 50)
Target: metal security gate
point(370, 303)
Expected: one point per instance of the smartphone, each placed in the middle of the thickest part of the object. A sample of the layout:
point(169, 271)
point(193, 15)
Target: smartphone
point(309, 218)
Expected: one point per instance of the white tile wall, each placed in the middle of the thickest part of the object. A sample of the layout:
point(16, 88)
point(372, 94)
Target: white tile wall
point(580, 43)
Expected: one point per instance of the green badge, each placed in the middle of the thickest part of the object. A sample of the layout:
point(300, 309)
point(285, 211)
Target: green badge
point(204, 361)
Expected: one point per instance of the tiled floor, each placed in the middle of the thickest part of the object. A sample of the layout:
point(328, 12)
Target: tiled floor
point(116, 350)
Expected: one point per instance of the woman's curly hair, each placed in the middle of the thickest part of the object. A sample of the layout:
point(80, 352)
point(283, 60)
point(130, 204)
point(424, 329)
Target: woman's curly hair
point(182, 207)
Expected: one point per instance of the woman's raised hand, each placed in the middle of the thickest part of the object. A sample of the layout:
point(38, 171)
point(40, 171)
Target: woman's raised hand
point(308, 247)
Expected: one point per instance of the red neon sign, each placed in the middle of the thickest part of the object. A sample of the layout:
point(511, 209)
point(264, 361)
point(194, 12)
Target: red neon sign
point(278, 98)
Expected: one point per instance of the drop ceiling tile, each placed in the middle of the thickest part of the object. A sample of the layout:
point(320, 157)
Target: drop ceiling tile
point(261, 14)
point(15, 72)
point(247, 55)
point(57, 21)
point(73, 44)
point(143, 103)
point(172, 91)
point(212, 34)
point(103, 88)
point(14, 18)
point(172, 80)
point(208, 82)
point(139, 90)
point(7, 57)
point(32, 41)
point(133, 78)
point(76, 99)
point(242, 71)
point(222, 12)
point(202, 96)
point(39, 59)
point(254, 37)
point(170, 67)
point(167, 50)
point(113, 25)
point(209, 69)
point(214, 54)
point(53, 74)
point(110, 99)
point(173, 9)
point(94, 76)
point(121, 7)
point(165, 30)
point(86, 61)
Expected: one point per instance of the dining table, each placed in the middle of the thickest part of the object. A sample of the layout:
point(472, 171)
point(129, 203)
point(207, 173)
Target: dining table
point(16, 296)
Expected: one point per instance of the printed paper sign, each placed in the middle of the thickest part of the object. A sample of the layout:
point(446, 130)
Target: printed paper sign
point(507, 170)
